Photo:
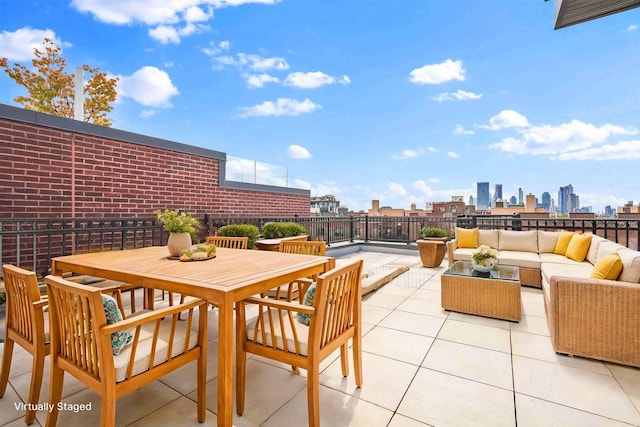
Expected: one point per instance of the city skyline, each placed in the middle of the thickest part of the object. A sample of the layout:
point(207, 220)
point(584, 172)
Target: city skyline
point(403, 102)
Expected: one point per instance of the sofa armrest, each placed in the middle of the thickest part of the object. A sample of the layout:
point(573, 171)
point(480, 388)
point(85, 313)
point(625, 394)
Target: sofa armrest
point(451, 246)
point(595, 318)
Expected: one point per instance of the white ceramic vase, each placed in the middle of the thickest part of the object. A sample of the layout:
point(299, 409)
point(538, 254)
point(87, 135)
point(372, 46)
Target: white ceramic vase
point(178, 242)
point(482, 268)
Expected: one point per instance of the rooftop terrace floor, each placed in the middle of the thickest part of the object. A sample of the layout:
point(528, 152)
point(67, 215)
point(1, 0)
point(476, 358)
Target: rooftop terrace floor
point(422, 366)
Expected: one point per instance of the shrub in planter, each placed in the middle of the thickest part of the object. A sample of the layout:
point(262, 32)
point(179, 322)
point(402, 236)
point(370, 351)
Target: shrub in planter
point(241, 230)
point(433, 232)
point(278, 230)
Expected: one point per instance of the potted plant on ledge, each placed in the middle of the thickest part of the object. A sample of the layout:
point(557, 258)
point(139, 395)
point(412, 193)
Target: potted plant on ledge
point(432, 246)
point(180, 227)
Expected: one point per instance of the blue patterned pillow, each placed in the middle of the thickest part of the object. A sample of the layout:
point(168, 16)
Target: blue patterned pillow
point(305, 318)
point(118, 339)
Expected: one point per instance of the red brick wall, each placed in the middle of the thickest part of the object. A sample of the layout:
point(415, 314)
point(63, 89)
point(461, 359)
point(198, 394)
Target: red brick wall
point(50, 171)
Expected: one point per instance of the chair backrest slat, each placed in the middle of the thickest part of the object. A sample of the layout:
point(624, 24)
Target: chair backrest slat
point(303, 247)
point(336, 296)
point(21, 287)
point(228, 242)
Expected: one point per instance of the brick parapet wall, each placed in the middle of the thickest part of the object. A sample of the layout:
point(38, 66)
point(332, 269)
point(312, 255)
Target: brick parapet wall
point(55, 170)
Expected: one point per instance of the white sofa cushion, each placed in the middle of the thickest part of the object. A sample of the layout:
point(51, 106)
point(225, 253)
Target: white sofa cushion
point(519, 258)
point(525, 241)
point(557, 259)
point(608, 247)
point(488, 237)
point(577, 269)
point(630, 265)
point(592, 254)
point(547, 241)
point(463, 254)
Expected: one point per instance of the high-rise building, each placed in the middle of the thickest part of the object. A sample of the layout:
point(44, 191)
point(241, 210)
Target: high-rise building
point(520, 196)
point(566, 199)
point(546, 201)
point(483, 198)
point(513, 200)
point(497, 193)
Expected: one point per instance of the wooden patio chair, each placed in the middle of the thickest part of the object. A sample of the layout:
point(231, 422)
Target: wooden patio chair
point(24, 325)
point(228, 242)
point(297, 288)
point(277, 333)
point(115, 357)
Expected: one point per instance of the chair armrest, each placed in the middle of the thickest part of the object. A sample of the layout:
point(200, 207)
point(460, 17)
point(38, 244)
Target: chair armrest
point(42, 304)
point(452, 245)
point(280, 304)
point(151, 316)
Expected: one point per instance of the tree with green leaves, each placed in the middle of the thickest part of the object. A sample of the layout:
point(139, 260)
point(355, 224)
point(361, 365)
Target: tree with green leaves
point(51, 88)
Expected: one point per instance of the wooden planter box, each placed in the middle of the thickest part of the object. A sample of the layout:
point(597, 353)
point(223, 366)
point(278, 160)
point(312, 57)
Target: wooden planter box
point(274, 244)
point(432, 250)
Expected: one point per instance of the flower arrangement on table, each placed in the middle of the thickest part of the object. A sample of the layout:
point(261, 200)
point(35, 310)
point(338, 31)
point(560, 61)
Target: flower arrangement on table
point(484, 257)
point(177, 222)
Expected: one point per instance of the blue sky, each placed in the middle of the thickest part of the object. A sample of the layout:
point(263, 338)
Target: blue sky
point(404, 101)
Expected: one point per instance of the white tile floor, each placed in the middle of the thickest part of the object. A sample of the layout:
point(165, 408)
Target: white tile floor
point(422, 366)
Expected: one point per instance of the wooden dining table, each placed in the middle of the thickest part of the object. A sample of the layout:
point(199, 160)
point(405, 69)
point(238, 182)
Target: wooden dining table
point(232, 275)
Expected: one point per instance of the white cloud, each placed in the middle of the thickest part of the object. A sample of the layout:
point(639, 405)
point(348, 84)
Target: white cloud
point(453, 155)
point(438, 73)
point(406, 154)
point(313, 79)
point(623, 150)
point(153, 12)
point(575, 140)
point(300, 183)
point(197, 14)
point(506, 119)
point(149, 86)
point(459, 95)
point(145, 114)
point(20, 44)
point(282, 107)
point(159, 13)
point(298, 152)
point(396, 190)
point(459, 130)
point(259, 80)
point(254, 62)
point(215, 49)
point(166, 34)
point(632, 27)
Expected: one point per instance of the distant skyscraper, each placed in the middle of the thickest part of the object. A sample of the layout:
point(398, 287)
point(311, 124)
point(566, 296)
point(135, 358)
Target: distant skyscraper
point(497, 193)
point(513, 200)
point(566, 199)
point(520, 196)
point(484, 200)
point(546, 200)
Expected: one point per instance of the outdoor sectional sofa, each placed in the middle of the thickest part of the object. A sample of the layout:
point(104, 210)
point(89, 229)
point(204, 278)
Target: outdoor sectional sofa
point(590, 284)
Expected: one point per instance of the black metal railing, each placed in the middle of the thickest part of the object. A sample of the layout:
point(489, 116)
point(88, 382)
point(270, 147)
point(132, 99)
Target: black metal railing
point(31, 243)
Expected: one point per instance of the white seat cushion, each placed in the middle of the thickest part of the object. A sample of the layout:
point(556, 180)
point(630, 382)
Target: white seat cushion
point(302, 332)
point(519, 258)
point(558, 259)
point(463, 254)
point(143, 350)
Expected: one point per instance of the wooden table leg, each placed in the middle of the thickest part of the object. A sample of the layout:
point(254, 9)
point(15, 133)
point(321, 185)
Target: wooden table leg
point(225, 362)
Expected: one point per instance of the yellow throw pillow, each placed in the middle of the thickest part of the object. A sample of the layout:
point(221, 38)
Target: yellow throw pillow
point(563, 241)
point(467, 238)
point(578, 247)
point(607, 267)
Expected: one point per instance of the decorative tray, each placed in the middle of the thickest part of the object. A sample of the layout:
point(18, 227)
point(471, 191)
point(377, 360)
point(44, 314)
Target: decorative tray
point(191, 259)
